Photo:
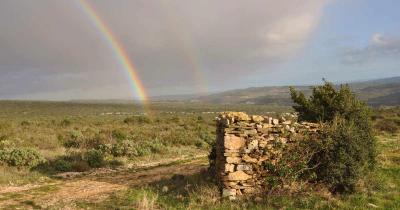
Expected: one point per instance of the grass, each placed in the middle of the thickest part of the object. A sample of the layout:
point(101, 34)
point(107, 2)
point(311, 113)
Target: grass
point(377, 190)
point(174, 130)
point(15, 176)
point(66, 130)
point(20, 200)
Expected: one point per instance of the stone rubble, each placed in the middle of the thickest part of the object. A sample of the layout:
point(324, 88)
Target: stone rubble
point(245, 143)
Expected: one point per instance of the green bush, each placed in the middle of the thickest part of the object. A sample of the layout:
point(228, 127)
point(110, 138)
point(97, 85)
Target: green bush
point(347, 153)
point(62, 165)
point(22, 157)
point(326, 103)
point(143, 150)
point(4, 156)
point(106, 148)
point(346, 147)
point(119, 135)
point(95, 158)
point(156, 146)
point(206, 136)
point(130, 148)
point(293, 164)
point(72, 140)
point(124, 148)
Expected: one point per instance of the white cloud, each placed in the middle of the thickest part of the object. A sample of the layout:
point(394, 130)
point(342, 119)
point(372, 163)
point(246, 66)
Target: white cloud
point(286, 36)
point(378, 39)
point(380, 47)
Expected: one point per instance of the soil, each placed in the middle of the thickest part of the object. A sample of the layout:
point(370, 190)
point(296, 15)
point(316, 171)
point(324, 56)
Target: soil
point(95, 186)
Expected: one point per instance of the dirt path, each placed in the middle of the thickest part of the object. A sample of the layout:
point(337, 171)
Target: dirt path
point(94, 187)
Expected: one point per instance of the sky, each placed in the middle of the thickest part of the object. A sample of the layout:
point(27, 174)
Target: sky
point(52, 50)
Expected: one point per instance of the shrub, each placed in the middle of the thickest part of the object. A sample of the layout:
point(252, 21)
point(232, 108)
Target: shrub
point(386, 125)
point(143, 120)
point(129, 120)
point(65, 123)
point(124, 148)
point(72, 143)
point(4, 156)
point(73, 139)
point(27, 157)
point(212, 157)
point(6, 144)
point(346, 148)
point(119, 135)
point(326, 102)
point(200, 144)
point(176, 119)
point(115, 163)
point(62, 165)
point(346, 154)
point(133, 149)
point(156, 146)
point(76, 134)
point(143, 150)
point(205, 135)
point(293, 164)
point(94, 158)
point(138, 120)
point(106, 148)
point(80, 166)
point(25, 123)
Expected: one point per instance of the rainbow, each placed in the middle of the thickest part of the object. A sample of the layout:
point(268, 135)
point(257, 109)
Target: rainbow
point(187, 47)
point(118, 49)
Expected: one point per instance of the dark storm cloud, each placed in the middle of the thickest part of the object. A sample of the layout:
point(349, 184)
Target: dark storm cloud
point(50, 49)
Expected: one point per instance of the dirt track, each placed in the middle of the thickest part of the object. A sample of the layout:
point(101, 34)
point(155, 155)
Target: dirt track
point(93, 187)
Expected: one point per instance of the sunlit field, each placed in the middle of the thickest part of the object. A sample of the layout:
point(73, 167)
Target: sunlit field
point(175, 139)
point(64, 132)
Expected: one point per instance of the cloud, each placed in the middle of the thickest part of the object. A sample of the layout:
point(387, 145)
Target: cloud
point(51, 45)
point(379, 47)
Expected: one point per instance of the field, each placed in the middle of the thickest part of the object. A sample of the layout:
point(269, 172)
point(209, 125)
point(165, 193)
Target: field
point(153, 160)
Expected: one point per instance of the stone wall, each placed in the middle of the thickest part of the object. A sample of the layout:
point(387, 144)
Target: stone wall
point(245, 143)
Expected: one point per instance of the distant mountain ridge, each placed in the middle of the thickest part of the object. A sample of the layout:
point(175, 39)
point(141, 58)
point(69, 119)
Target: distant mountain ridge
point(374, 92)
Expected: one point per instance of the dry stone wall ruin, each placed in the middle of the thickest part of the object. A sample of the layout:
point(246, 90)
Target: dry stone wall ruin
point(245, 143)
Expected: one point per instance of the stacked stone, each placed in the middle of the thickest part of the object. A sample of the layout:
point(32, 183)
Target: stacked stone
point(245, 143)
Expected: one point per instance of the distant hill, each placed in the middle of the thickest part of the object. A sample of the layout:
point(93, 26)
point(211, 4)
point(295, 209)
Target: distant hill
point(374, 92)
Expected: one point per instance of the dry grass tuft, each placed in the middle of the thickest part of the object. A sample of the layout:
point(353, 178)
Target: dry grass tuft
point(147, 202)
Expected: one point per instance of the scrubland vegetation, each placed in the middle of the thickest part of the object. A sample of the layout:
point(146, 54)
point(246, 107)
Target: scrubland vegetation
point(375, 190)
point(358, 168)
point(45, 138)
